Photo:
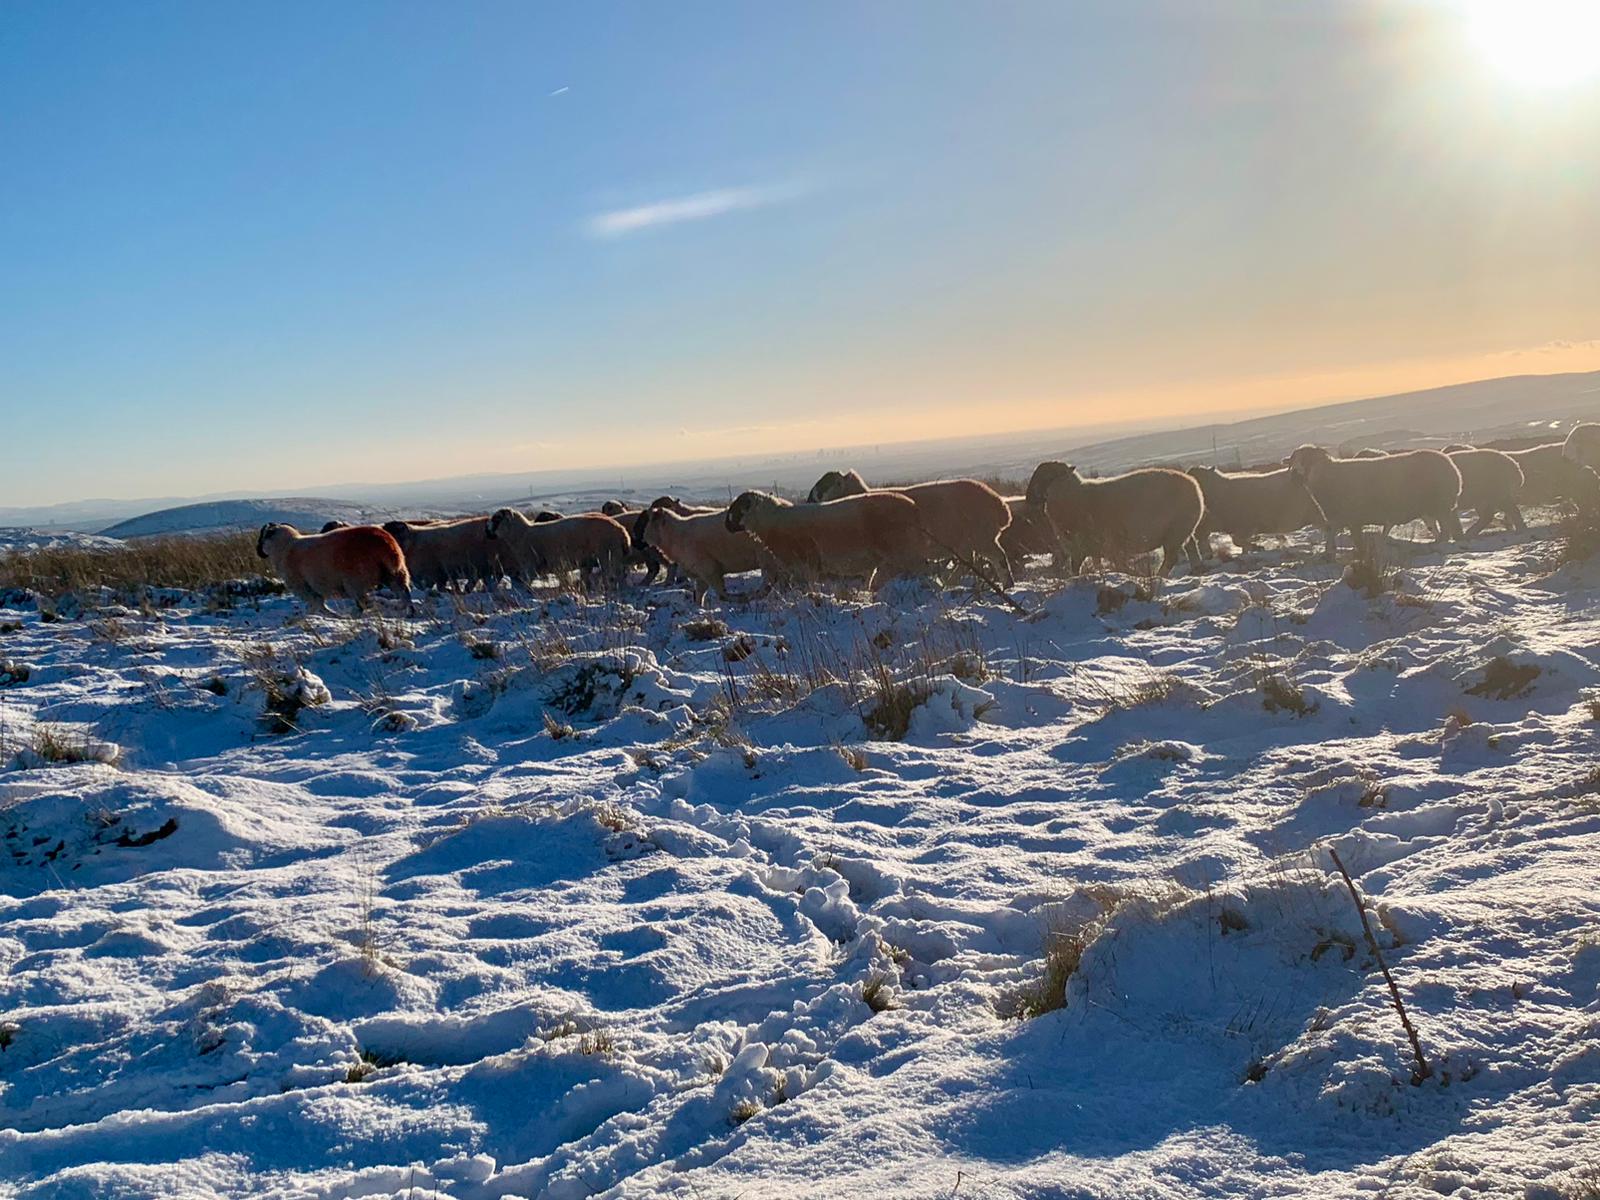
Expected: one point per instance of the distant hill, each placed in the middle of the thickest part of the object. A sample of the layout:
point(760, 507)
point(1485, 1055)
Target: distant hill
point(1519, 407)
point(22, 539)
point(222, 516)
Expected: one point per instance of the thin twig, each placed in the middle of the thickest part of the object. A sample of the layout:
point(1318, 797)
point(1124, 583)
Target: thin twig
point(1422, 1071)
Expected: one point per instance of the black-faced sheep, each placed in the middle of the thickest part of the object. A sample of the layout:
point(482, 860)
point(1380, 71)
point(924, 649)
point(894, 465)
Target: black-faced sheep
point(1120, 517)
point(703, 548)
point(1387, 491)
point(588, 542)
point(1244, 506)
point(348, 563)
point(962, 517)
point(874, 536)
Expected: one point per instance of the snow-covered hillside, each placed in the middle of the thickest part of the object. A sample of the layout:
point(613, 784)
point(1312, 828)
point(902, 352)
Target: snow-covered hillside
point(616, 898)
point(19, 541)
point(218, 516)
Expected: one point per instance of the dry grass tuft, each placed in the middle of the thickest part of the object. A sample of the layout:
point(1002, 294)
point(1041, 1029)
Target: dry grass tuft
point(188, 563)
point(1279, 693)
point(1063, 953)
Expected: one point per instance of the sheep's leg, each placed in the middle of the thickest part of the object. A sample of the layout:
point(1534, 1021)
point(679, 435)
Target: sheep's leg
point(1001, 562)
point(1329, 541)
point(1485, 519)
point(1196, 563)
point(1514, 518)
point(1450, 526)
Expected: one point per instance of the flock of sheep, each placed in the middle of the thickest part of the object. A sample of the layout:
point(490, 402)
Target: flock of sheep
point(847, 529)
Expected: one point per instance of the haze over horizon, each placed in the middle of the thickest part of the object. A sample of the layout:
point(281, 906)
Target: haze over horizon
point(392, 242)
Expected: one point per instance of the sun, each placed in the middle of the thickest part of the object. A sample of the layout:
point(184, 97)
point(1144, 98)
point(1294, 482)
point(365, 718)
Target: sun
point(1538, 43)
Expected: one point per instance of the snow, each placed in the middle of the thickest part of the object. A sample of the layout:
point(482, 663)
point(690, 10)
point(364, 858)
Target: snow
point(214, 516)
point(562, 899)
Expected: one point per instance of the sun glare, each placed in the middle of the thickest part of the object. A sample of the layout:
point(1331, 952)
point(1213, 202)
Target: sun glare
point(1538, 43)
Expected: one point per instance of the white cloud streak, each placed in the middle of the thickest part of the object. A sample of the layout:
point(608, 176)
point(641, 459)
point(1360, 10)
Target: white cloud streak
point(699, 207)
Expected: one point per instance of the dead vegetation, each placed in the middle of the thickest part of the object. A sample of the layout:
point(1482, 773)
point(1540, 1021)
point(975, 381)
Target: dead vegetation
point(188, 563)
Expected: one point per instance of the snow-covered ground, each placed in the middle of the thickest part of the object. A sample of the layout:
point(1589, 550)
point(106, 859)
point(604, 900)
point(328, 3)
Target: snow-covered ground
point(602, 898)
point(21, 539)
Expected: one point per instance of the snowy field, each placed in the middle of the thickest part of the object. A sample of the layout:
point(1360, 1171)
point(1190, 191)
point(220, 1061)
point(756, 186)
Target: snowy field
point(580, 899)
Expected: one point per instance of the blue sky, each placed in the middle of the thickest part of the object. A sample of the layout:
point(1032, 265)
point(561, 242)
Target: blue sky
point(263, 246)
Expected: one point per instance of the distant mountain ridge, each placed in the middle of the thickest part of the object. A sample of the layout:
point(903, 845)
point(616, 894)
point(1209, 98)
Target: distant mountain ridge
point(1521, 406)
point(222, 516)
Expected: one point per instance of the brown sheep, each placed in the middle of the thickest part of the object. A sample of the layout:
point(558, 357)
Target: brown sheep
point(449, 553)
point(1120, 517)
point(703, 548)
point(1246, 505)
point(1028, 533)
point(351, 563)
point(962, 517)
point(875, 536)
point(1491, 485)
point(1549, 477)
point(330, 526)
point(1387, 491)
point(584, 543)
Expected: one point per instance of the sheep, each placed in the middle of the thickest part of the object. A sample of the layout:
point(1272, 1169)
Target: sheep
point(586, 542)
point(330, 526)
point(962, 517)
point(1245, 505)
point(1491, 485)
point(642, 553)
point(876, 535)
point(454, 552)
point(1028, 533)
point(1583, 445)
point(703, 548)
point(548, 514)
point(1116, 518)
point(1370, 452)
point(682, 509)
point(349, 562)
point(1549, 477)
point(1356, 492)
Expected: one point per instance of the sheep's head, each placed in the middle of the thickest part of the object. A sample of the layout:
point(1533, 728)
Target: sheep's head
point(614, 508)
point(1203, 472)
point(269, 532)
point(649, 521)
point(1045, 476)
point(671, 502)
point(1585, 490)
point(332, 525)
point(1307, 459)
point(400, 531)
point(545, 515)
point(1583, 445)
point(738, 510)
point(501, 516)
point(825, 489)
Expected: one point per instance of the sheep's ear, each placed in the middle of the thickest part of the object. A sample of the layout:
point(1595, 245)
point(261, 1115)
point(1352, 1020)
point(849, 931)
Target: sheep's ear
point(261, 540)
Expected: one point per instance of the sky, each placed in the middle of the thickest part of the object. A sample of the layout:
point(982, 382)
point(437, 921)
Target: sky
point(259, 246)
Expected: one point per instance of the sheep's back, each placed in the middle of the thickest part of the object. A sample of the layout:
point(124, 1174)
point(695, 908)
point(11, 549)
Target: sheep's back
point(1386, 491)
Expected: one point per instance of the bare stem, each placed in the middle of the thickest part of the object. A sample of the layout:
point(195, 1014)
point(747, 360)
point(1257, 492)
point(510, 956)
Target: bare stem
point(1422, 1071)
